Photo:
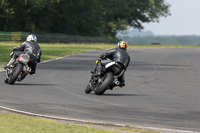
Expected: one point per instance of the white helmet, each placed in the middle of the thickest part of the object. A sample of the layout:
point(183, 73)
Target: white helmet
point(31, 37)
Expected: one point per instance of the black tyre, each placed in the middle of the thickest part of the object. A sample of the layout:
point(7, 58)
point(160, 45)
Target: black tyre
point(88, 89)
point(15, 74)
point(6, 80)
point(107, 80)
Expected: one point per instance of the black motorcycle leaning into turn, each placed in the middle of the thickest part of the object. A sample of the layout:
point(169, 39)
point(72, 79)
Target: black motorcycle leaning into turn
point(109, 78)
point(24, 59)
point(19, 70)
point(109, 71)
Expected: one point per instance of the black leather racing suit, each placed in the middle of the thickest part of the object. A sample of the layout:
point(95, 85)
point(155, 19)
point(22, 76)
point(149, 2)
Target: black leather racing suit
point(116, 54)
point(33, 50)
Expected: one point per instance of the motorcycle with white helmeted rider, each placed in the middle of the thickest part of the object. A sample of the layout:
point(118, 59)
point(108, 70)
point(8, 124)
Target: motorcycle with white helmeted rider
point(24, 59)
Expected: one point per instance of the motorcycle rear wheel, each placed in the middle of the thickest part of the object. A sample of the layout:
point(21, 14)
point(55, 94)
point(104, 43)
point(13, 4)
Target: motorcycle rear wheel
point(107, 80)
point(15, 74)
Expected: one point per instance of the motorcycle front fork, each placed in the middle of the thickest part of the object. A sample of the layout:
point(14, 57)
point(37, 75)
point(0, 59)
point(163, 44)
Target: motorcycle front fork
point(11, 62)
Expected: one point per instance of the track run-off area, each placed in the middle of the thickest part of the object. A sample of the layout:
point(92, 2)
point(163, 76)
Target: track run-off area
point(162, 90)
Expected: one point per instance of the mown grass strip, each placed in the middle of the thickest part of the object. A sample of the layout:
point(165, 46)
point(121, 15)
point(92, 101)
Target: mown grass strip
point(52, 51)
point(14, 123)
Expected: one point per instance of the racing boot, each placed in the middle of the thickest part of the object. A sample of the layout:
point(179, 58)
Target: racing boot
point(32, 72)
point(111, 87)
point(122, 84)
point(122, 81)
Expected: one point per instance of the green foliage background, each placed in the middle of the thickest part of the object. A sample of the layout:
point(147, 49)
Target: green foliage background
point(79, 17)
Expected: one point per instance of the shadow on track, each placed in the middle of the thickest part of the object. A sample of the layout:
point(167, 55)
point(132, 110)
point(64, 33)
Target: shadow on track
point(29, 84)
point(124, 94)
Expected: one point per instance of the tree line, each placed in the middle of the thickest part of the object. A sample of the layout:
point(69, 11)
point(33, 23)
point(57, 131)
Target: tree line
point(79, 17)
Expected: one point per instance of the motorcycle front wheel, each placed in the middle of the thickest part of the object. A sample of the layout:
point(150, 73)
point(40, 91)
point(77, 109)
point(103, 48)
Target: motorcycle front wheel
point(15, 74)
point(88, 89)
point(105, 82)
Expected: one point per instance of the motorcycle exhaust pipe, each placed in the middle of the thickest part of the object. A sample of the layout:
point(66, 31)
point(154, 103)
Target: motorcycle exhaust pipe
point(116, 82)
point(27, 69)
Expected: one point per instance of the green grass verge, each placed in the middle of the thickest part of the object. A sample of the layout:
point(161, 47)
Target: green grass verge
point(52, 51)
point(13, 123)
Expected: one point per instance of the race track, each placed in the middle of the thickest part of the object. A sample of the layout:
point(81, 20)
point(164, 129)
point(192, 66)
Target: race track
point(162, 90)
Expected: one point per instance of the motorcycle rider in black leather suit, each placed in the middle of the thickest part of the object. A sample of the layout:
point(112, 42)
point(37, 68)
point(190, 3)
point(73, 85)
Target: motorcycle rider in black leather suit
point(30, 47)
point(117, 54)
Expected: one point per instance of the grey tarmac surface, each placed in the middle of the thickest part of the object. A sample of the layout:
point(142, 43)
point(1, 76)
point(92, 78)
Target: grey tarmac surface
point(162, 90)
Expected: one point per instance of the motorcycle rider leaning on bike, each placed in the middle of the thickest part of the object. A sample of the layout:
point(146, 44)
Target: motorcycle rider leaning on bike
point(29, 47)
point(118, 54)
